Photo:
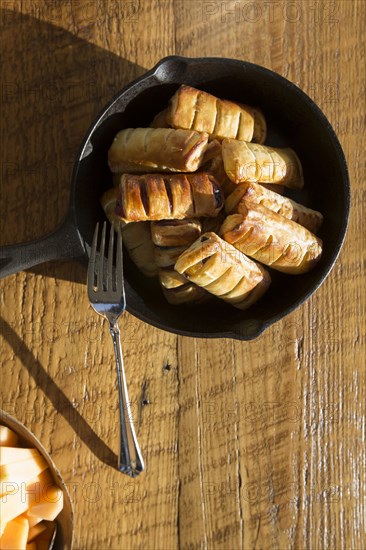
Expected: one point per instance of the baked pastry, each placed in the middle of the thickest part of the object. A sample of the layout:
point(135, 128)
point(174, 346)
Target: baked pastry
point(216, 266)
point(136, 236)
point(214, 164)
point(197, 110)
point(108, 201)
point(172, 237)
point(272, 239)
point(259, 163)
point(137, 239)
point(253, 192)
point(178, 290)
point(157, 150)
point(175, 232)
point(168, 196)
point(166, 256)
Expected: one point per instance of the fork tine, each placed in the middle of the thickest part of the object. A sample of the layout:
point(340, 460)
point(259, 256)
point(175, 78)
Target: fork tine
point(91, 267)
point(100, 278)
point(110, 259)
point(119, 265)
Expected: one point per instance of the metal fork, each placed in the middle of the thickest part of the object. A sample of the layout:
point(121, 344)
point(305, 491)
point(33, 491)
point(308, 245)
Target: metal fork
point(107, 296)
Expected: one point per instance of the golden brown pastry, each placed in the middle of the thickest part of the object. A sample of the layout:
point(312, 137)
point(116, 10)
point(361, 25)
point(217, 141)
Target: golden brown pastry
point(168, 196)
point(137, 239)
point(272, 239)
point(178, 290)
point(157, 150)
point(166, 256)
point(136, 236)
point(172, 237)
point(169, 278)
point(253, 192)
point(214, 164)
point(197, 110)
point(217, 266)
point(108, 201)
point(259, 163)
point(175, 232)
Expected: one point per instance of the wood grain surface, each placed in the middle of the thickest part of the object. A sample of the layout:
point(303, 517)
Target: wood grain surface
point(255, 445)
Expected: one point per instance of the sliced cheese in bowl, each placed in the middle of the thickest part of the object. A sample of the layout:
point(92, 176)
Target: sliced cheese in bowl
point(24, 470)
point(11, 506)
point(15, 534)
point(8, 438)
point(49, 505)
point(8, 455)
point(35, 508)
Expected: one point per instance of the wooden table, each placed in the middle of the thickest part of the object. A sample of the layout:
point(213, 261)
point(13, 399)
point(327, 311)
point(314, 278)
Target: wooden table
point(247, 444)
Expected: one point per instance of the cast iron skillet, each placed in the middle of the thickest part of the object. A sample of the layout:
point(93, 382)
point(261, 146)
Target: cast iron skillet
point(293, 120)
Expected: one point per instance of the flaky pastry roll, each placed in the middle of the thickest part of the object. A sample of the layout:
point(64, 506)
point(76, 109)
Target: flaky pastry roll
point(272, 239)
point(214, 164)
point(197, 110)
point(108, 201)
point(137, 239)
point(178, 290)
point(170, 196)
point(157, 150)
point(259, 163)
point(136, 236)
point(166, 256)
point(253, 192)
point(175, 232)
point(216, 266)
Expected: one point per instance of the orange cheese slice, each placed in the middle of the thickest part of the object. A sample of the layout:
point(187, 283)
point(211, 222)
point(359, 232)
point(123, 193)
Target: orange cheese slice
point(23, 470)
point(48, 505)
point(15, 454)
point(15, 535)
point(33, 521)
point(12, 505)
point(24, 495)
point(7, 437)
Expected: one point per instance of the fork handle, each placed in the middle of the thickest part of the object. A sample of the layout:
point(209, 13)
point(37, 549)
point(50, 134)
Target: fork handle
point(130, 461)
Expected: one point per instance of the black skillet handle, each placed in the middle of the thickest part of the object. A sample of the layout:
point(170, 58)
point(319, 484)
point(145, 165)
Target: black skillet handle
point(63, 243)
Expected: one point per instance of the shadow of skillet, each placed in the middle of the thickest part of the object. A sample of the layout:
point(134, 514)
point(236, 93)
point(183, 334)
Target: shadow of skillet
point(53, 86)
point(57, 397)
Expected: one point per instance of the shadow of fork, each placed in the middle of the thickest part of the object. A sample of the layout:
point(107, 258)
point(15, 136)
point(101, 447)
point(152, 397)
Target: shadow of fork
point(57, 397)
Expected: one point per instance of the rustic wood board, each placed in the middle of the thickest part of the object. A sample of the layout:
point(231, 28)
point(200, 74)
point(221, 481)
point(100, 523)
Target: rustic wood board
point(247, 445)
